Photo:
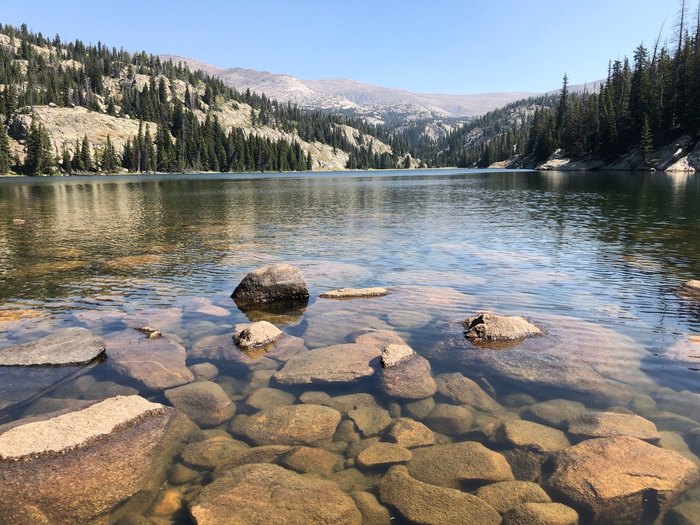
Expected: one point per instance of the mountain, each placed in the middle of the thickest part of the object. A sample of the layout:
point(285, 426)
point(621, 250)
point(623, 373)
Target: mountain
point(355, 98)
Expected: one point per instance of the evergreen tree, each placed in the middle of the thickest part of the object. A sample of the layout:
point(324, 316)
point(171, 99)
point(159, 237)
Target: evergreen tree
point(109, 158)
point(39, 158)
point(5, 153)
point(85, 157)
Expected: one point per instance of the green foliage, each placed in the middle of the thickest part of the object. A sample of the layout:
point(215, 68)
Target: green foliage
point(39, 159)
point(5, 153)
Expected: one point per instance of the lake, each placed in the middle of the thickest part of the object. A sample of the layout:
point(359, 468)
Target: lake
point(595, 259)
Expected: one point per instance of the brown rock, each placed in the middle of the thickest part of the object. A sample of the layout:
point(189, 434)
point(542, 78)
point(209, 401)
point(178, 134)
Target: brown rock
point(373, 513)
point(395, 354)
point(345, 363)
point(410, 379)
point(354, 293)
point(309, 460)
point(533, 513)
point(555, 412)
point(256, 335)
point(264, 398)
point(370, 420)
point(505, 495)
point(462, 390)
point(383, 454)
point(492, 327)
point(452, 420)
point(419, 409)
point(203, 402)
point(409, 433)
point(380, 338)
point(531, 436)
point(343, 404)
point(204, 371)
point(611, 424)
point(212, 453)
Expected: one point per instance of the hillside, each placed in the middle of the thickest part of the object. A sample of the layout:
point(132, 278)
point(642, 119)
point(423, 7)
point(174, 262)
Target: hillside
point(73, 107)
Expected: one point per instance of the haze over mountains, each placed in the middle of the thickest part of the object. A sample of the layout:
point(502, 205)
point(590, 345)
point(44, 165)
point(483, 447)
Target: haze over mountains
point(352, 97)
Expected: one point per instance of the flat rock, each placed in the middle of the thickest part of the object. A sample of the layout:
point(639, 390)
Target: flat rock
point(291, 425)
point(274, 283)
point(223, 348)
point(383, 454)
point(505, 495)
point(203, 402)
point(532, 436)
point(428, 504)
point(395, 354)
point(155, 363)
point(459, 465)
point(411, 379)
point(462, 390)
point(77, 467)
point(379, 338)
point(22, 384)
point(343, 404)
point(493, 327)
point(345, 363)
point(611, 424)
point(686, 352)
point(409, 433)
point(633, 469)
point(212, 453)
point(555, 412)
point(256, 335)
point(534, 513)
point(311, 460)
point(354, 293)
point(264, 398)
point(71, 346)
point(271, 495)
point(452, 420)
point(262, 454)
point(370, 420)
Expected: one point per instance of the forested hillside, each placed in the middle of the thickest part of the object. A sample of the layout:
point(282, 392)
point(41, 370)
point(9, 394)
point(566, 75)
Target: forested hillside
point(72, 107)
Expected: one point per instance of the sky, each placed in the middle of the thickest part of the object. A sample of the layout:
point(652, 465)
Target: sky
point(431, 46)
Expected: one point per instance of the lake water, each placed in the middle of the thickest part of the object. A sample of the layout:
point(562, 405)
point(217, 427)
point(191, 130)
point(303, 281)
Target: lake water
point(596, 258)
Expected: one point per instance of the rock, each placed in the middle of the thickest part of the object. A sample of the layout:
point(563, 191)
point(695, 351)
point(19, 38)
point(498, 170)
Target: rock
point(204, 371)
point(169, 502)
point(104, 389)
point(383, 454)
point(155, 363)
point(526, 464)
point(408, 319)
point(459, 465)
point(343, 404)
point(611, 424)
point(428, 504)
point(204, 306)
point(640, 479)
point(291, 425)
point(212, 453)
point(270, 284)
point(181, 474)
point(223, 348)
point(203, 402)
point(410, 379)
point(354, 293)
point(522, 434)
point(71, 346)
point(675, 442)
point(686, 513)
point(691, 287)
point(674, 422)
point(263, 454)
point(452, 420)
point(379, 338)
point(256, 335)
point(462, 390)
point(686, 352)
point(534, 513)
point(345, 363)
point(419, 409)
point(394, 409)
point(78, 467)
point(555, 412)
point(492, 327)
point(505, 495)
point(369, 420)
point(409, 433)
point(518, 400)
point(308, 460)
point(352, 479)
point(271, 495)
point(395, 354)
point(373, 513)
point(264, 398)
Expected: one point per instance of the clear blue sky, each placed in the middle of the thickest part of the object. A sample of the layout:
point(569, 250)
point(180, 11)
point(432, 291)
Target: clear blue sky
point(450, 46)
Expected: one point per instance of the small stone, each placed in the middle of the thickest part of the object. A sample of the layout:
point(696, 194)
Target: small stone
point(531, 436)
point(464, 391)
point(395, 354)
point(383, 454)
point(347, 432)
point(610, 424)
point(394, 409)
point(452, 420)
point(518, 400)
point(409, 433)
point(534, 513)
point(204, 402)
point(493, 327)
point(370, 421)
point(505, 495)
point(150, 333)
point(354, 293)
point(256, 335)
point(309, 460)
point(168, 503)
point(204, 371)
point(419, 409)
point(691, 287)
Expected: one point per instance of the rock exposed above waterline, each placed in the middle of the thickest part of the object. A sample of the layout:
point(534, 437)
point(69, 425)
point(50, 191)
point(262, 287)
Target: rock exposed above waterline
point(223, 348)
point(71, 346)
point(395, 354)
point(271, 495)
point(256, 335)
point(691, 287)
point(334, 364)
point(274, 283)
point(354, 293)
point(78, 467)
point(492, 327)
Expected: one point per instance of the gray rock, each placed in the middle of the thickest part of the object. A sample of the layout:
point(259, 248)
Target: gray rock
point(534, 513)
point(345, 363)
point(354, 293)
point(370, 420)
point(505, 495)
point(223, 348)
point(555, 412)
point(531, 436)
point(204, 371)
point(264, 398)
point(452, 420)
point(611, 424)
point(256, 335)
point(411, 379)
point(203, 402)
point(395, 354)
point(275, 283)
point(462, 390)
point(71, 346)
point(487, 327)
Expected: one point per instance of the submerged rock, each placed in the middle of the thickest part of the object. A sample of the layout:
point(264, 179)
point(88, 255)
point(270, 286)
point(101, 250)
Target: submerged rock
point(640, 479)
point(410, 379)
point(354, 293)
point(271, 495)
point(77, 467)
point(492, 327)
point(611, 424)
point(531, 436)
point(452, 420)
point(370, 420)
point(256, 335)
point(462, 390)
point(343, 404)
point(345, 363)
point(274, 283)
point(373, 513)
point(534, 513)
point(223, 348)
point(310, 460)
point(555, 412)
point(409, 433)
point(420, 502)
point(203, 402)
point(204, 371)
point(383, 454)
point(155, 363)
point(71, 346)
point(505, 495)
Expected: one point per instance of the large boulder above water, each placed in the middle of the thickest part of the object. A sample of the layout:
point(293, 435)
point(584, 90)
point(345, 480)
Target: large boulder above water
point(271, 495)
point(487, 327)
point(256, 335)
point(78, 467)
point(639, 481)
point(691, 288)
point(271, 284)
point(71, 346)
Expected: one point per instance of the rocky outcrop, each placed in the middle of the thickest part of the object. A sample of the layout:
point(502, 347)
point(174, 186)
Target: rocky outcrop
point(256, 335)
point(203, 402)
point(271, 495)
point(354, 293)
point(271, 284)
point(345, 363)
point(488, 327)
point(71, 346)
point(155, 363)
point(78, 467)
point(223, 348)
point(640, 481)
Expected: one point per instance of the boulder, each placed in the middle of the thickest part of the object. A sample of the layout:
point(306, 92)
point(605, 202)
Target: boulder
point(155, 363)
point(428, 504)
point(459, 465)
point(410, 379)
point(555, 412)
point(212, 453)
point(395, 354)
point(262, 454)
point(534, 513)
point(492, 327)
point(419, 409)
point(343, 404)
point(531, 436)
point(256, 335)
point(452, 420)
point(344, 363)
point(409, 433)
point(370, 420)
point(640, 480)
point(310, 460)
point(611, 424)
point(373, 512)
point(203, 402)
point(271, 495)
point(354, 293)
point(78, 467)
point(204, 371)
point(264, 398)
point(462, 390)
point(223, 348)
point(691, 287)
point(505, 495)
point(71, 346)
point(270, 284)
point(291, 425)
point(381, 454)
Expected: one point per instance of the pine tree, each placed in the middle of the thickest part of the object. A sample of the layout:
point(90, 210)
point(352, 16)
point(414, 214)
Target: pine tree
point(109, 158)
point(39, 158)
point(5, 153)
point(85, 157)
point(646, 142)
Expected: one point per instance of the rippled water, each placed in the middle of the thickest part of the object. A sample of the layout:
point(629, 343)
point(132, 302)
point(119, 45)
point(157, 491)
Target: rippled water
point(609, 249)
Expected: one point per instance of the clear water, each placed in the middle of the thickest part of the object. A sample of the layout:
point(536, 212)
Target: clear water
point(605, 248)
